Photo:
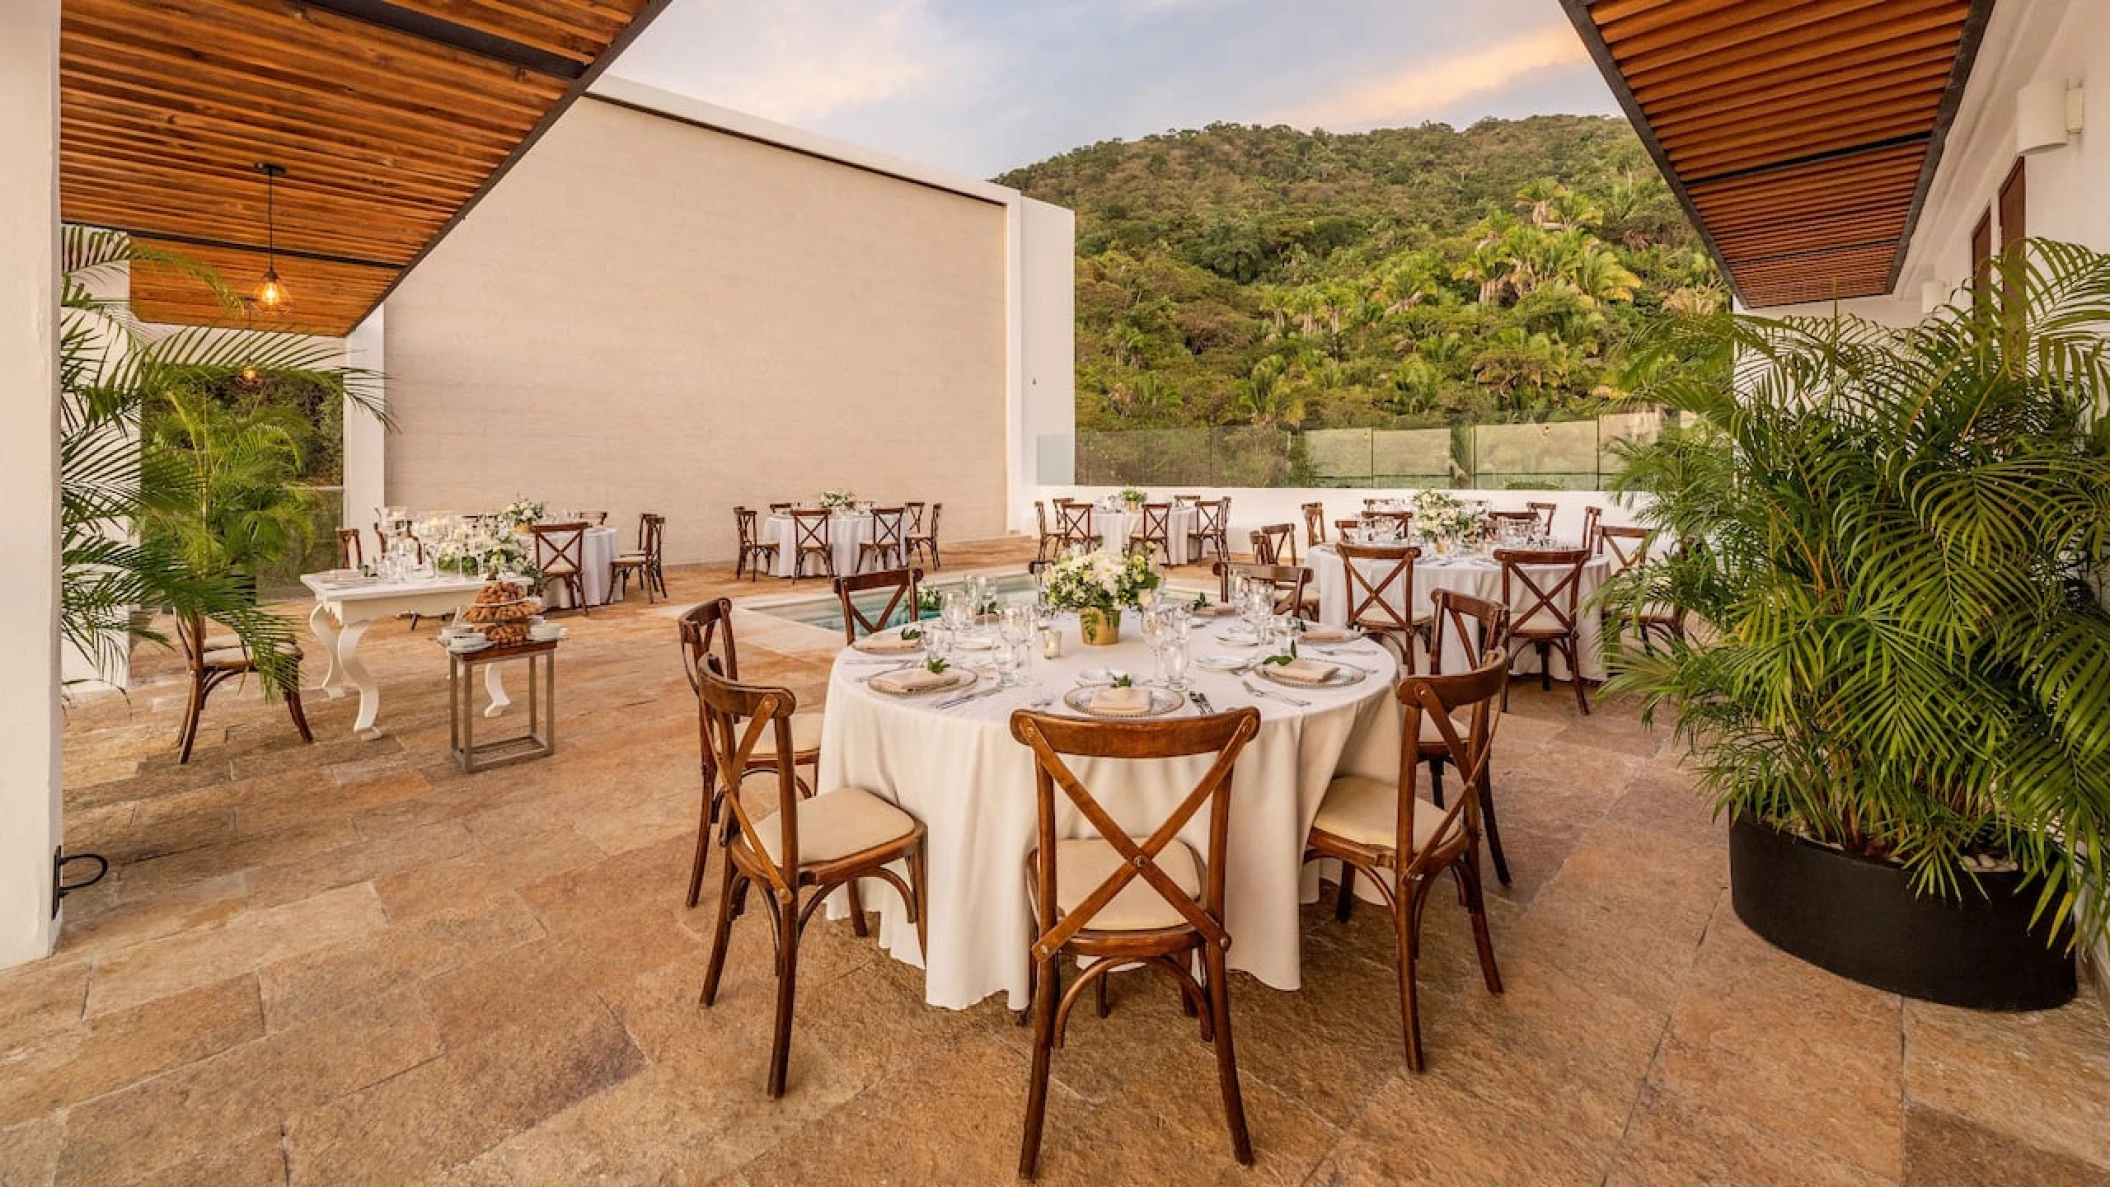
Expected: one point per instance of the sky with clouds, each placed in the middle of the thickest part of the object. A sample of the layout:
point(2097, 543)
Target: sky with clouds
point(981, 86)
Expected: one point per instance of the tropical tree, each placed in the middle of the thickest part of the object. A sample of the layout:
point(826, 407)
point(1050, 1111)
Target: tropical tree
point(117, 481)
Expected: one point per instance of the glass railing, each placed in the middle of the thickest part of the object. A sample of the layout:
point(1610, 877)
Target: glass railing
point(1548, 455)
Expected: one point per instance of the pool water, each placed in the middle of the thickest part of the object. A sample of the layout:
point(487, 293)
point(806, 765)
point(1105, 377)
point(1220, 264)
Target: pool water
point(822, 610)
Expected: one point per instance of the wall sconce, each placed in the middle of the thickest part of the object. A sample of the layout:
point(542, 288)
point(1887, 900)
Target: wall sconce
point(2046, 113)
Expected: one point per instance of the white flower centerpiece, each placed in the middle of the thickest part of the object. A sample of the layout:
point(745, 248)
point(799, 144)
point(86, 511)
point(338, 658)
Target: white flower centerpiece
point(1441, 518)
point(838, 502)
point(1098, 586)
point(1134, 497)
point(522, 514)
point(489, 551)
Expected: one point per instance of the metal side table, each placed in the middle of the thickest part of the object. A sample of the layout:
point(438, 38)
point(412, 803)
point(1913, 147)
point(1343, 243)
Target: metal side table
point(540, 741)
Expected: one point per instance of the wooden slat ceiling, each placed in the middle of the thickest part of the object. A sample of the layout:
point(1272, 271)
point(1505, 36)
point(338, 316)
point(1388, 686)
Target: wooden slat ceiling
point(1800, 134)
point(390, 117)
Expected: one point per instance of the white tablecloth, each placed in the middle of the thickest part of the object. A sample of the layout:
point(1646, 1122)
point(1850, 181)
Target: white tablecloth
point(1476, 575)
point(972, 785)
point(845, 533)
point(1116, 526)
point(601, 547)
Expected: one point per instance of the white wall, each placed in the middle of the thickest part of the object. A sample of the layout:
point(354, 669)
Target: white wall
point(365, 437)
point(1046, 436)
point(30, 802)
point(668, 306)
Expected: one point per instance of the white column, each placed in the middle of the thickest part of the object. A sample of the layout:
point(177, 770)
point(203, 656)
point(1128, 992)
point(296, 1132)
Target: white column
point(365, 438)
point(29, 474)
point(1044, 424)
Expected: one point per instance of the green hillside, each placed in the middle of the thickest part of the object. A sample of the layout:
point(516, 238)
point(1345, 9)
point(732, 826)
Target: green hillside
point(1408, 277)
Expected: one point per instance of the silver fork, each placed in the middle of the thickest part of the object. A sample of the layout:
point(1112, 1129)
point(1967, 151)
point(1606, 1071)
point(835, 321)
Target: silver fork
point(1280, 696)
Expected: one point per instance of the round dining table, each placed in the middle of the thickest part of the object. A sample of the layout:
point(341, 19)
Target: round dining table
point(846, 531)
point(960, 772)
point(1467, 573)
point(1114, 528)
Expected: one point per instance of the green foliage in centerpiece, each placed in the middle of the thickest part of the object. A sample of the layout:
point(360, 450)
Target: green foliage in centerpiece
point(1892, 539)
point(1100, 580)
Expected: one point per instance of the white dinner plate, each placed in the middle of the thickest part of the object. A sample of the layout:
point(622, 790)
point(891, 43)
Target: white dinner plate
point(1342, 677)
point(962, 678)
point(1099, 677)
point(1162, 701)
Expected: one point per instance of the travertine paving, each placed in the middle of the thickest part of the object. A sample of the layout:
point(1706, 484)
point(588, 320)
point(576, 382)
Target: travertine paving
point(349, 963)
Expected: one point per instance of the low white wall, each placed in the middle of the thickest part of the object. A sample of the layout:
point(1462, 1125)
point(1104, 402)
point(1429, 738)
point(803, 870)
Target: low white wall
point(1254, 507)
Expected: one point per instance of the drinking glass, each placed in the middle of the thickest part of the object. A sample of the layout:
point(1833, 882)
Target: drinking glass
point(953, 607)
point(1172, 663)
point(1016, 624)
point(1008, 656)
point(937, 641)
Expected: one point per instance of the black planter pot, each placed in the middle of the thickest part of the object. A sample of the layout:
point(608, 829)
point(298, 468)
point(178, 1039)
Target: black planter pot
point(1860, 918)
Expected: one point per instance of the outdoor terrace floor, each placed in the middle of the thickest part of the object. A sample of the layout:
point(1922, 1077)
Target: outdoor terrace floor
point(350, 963)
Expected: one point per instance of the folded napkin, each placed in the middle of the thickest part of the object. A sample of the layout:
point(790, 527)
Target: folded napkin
point(1216, 610)
point(914, 680)
point(1306, 671)
point(1327, 634)
point(1121, 702)
point(888, 645)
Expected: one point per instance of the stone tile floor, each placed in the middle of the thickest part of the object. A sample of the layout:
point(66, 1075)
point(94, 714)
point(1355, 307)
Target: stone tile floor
point(349, 963)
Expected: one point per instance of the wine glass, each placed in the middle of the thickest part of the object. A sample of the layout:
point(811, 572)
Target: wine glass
point(937, 641)
point(1172, 662)
point(1016, 624)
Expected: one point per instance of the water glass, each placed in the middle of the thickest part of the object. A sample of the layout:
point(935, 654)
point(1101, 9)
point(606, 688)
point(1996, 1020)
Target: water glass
point(1009, 656)
point(937, 641)
point(1172, 663)
point(1016, 624)
point(953, 608)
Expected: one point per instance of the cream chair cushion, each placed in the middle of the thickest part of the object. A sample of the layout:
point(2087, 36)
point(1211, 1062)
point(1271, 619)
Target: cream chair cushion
point(836, 824)
point(1081, 866)
point(805, 737)
point(1539, 623)
point(1365, 811)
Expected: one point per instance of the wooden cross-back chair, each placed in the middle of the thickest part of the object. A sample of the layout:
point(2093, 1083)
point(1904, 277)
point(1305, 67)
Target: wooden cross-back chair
point(800, 855)
point(214, 661)
point(351, 553)
point(646, 561)
point(1545, 512)
point(1211, 529)
point(1290, 582)
point(1344, 526)
point(1593, 516)
point(1530, 518)
point(1049, 538)
point(1314, 523)
point(1153, 532)
point(1275, 544)
point(923, 537)
point(1073, 522)
point(753, 549)
point(1630, 548)
point(1119, 901)
point(560, 553)
point(1403, 520)
point(708, 645)
point(809, 539)
point(1186, 500)
point(1365, 597)
point(1481, 628)
point(905, 584)
point(1381, 830)
point(781, 508)
point(1542, 609)
point(888, 546)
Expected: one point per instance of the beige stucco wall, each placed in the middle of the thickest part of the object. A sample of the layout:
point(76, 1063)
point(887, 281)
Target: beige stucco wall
point(649, 315)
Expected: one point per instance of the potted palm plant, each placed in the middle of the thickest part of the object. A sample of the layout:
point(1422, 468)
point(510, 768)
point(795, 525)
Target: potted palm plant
point(1900, 690)
point(164, 501)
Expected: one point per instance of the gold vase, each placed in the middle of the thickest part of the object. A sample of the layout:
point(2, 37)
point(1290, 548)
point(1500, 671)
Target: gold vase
point(1100, 628)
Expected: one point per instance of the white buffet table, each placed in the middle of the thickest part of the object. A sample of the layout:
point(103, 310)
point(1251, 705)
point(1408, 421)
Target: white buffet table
point(1468, 574)
point(961, 773)
point(344, 608)
point(845, 533)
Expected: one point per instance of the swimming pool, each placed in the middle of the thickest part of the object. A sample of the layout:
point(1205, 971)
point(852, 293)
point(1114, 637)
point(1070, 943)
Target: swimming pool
point(822, 610)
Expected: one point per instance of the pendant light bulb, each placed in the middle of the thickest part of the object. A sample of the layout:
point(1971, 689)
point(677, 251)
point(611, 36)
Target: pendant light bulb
point(271, 292)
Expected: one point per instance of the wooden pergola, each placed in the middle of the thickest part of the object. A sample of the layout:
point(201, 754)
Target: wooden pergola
point(1801, 135)
point(391, 119)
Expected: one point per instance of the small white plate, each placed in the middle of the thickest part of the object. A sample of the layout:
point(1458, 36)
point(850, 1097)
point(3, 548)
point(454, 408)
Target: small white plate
point(1099, 677)
point(1221, 663)
point(974, 643)
point(1238, 638)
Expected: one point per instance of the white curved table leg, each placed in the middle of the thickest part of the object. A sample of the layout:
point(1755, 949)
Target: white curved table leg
point(495, 684)
point(369, 692)
point(325, 628)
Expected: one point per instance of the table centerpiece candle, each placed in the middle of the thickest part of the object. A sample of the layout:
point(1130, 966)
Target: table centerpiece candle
point(1099, 586)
